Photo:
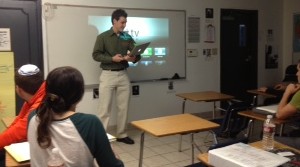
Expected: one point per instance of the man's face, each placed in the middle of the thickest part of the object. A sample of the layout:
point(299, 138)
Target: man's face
point(119, 25)
point(298, 72)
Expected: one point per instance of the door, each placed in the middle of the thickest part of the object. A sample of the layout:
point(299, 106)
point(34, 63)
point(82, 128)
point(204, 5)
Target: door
point(238, 52)
point(23, 17)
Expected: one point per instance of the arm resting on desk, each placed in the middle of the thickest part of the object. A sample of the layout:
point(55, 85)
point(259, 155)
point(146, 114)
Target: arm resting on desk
point(15, 133)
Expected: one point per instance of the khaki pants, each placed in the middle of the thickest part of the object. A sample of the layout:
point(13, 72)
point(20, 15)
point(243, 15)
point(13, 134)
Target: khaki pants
point(114, 84)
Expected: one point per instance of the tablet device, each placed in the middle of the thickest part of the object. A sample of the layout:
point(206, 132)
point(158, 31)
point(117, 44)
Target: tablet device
point(139, 49)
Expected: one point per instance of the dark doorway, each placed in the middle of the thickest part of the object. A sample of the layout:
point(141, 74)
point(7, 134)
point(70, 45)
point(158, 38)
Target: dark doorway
point(23, 17)
point(239, 33)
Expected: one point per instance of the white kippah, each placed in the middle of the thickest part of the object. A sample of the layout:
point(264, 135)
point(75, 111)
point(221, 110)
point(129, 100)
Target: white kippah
point(28, 70)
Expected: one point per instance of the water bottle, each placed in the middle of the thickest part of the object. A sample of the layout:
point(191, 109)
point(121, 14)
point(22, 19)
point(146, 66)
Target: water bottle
point(268, 133)
point(55, 159)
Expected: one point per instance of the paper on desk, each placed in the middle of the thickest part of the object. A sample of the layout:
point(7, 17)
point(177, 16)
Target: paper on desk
point(270, 108)
point(244, 155)
point(111, 137)
point(19, 151)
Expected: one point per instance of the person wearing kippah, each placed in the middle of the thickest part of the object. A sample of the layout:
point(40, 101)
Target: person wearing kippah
point(30, 87)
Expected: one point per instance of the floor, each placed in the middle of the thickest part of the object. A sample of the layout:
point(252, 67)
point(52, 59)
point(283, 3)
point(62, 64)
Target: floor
point(160, 152)
point(163, 151)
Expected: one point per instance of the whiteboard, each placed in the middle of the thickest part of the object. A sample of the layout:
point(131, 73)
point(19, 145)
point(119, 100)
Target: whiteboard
point(72, 32)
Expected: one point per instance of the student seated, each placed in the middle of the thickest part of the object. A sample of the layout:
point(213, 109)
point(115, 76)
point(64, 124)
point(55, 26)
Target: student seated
point(290, 110)
point(278, 89)
point(30, 87)
point(80, 137)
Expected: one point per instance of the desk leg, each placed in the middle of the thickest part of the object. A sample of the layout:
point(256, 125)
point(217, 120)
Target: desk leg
point(179, 144)
point(250, 128)
point(141, 149)
point(254, 101)
point(214, 110)
point(192, 146)
point(180, 137)
point(183, 106)
point(281, 129)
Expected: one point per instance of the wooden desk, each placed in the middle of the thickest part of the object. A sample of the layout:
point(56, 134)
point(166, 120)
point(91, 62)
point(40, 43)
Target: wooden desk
point(204, 157)
point(172, 125)
point(262, 117)
point(206, 96)
point(255, 93)
point(11, 162)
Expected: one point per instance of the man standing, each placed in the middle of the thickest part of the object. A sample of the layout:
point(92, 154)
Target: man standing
point(111, 49)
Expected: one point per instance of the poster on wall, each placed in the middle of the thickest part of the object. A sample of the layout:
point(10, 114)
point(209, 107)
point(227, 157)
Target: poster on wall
point(5, 43)
point(296, 33)
point(194, 29)
point(271, 52)
point(7, 86)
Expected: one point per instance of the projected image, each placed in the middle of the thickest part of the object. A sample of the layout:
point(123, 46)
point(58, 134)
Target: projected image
point(146, 63)
point(147, 53)
point(166, 32)
point(133, 64)
point(160, 52)
point(154, 30)
point(160, 62)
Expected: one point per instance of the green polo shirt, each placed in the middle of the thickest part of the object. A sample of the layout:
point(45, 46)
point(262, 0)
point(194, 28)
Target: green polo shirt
point(296, 100)
point(108, 44)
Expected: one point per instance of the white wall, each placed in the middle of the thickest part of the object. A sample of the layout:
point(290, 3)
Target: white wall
point(202, 73)
point(290, 8)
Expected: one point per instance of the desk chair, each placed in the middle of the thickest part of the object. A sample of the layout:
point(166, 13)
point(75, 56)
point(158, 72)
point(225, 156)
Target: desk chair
point(232, 123)
point(290, 74)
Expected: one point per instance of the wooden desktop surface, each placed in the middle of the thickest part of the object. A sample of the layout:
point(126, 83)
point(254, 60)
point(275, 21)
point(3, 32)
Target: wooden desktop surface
point(205, 96)
point(256, 92)
point(261, 117)
point(11, 162)
point(175, 124)
point(204, 157)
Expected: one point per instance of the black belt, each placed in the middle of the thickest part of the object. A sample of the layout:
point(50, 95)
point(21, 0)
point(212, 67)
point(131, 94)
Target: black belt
point(122, 69)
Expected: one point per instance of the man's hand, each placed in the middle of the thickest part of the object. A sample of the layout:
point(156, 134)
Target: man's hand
point(129, 58)
point(117, 58)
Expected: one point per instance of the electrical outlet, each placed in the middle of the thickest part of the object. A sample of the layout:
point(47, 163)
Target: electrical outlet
point(171, 86)
point(96, 93)
point(135, 90)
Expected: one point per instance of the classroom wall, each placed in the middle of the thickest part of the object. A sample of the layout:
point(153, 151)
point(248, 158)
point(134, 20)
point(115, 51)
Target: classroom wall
point(202, 73)
point(291, 7)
